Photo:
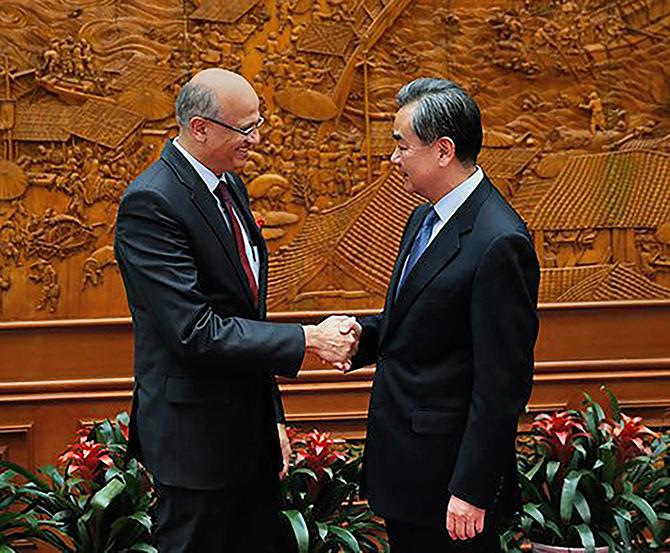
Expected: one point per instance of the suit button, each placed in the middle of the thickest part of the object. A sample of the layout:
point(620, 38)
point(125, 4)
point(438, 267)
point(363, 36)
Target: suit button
point(380, 357)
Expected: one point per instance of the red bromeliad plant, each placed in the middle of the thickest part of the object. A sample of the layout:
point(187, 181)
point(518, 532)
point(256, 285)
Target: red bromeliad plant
point(317, 451)
point(86, 459)
point(320, 498)
point(591, 480)
point(558, 433)
point(93, 502)
point(629, 436)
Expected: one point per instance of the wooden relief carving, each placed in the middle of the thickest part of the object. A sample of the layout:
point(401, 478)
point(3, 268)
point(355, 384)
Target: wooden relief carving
point(574, 95)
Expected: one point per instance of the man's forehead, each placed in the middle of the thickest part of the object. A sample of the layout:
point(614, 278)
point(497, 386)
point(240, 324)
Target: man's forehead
point(402, 125)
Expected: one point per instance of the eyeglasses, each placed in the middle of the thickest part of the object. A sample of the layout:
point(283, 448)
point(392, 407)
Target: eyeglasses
point(244, 132)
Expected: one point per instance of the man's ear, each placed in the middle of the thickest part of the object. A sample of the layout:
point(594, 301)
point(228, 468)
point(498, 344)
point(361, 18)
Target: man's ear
point(447, 150)
point(198, 128)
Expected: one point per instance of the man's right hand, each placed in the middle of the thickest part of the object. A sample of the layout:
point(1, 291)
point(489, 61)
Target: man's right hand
point(334, 341)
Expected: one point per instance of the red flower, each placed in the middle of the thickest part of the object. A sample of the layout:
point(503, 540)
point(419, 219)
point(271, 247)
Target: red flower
point(628, 435)
point(86, 459)
point(558, 432)
point(260, 223)
point(316, 450)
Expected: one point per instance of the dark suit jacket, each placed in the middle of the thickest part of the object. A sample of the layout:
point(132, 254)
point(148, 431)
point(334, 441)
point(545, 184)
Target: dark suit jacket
point(205, 402)
point(454, 356)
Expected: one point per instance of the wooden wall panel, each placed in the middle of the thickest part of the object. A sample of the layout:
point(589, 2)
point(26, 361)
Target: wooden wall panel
point(574, 97)
point(56, 374)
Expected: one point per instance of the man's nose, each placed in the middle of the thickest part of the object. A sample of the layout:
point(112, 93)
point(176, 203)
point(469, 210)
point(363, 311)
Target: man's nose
point(395, 156)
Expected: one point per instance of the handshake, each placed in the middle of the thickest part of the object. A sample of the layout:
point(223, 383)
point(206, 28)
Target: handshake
point(334, 341)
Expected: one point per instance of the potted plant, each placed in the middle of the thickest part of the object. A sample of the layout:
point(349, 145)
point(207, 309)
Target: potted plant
point(93, 502)
point(320, 499)
point(587, 481)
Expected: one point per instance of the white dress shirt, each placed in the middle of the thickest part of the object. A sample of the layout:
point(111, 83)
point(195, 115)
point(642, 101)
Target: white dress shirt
point(212, 181)
point(448, 204)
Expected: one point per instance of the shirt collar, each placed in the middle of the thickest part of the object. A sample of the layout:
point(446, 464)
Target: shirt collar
point(211, 180)
point(448, 204)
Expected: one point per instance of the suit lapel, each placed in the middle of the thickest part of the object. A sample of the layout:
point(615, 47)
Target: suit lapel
point(206, 205)
point(441, 251)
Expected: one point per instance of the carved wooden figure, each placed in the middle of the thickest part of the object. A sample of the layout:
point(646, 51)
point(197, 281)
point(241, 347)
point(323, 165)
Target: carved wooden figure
point(570, 92)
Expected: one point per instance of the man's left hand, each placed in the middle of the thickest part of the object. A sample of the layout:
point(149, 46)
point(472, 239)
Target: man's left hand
point(464, 521)
point(285, 445)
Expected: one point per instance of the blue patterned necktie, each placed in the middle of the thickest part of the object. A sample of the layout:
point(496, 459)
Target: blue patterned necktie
point(419, 246)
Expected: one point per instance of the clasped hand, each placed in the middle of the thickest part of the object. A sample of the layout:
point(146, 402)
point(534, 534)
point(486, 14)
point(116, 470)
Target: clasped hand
point(334, 340)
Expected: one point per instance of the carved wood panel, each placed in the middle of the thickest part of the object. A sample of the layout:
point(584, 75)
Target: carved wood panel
point(574, 95)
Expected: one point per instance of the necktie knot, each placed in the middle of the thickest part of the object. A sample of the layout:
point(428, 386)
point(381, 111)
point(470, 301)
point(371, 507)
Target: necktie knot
point(431, 219)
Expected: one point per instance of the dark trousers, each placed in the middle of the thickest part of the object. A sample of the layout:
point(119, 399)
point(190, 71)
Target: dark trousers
point(236, 520)
point(406, 537)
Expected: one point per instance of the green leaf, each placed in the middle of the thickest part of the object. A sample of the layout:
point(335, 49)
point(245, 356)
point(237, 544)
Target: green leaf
point(307, 472)
point(556, 530)
point(535, 468)
point(582, 507)
point(143, 548)
point(552, 469)
point(6, 549)
point(658, 485)
point(26, 474)
point(106, 495)
point(609, 490)
point(346, 538)
point(608, 457)
point(322, 529)
point(614, 402)
point(300, 531)
point(568, 493)
point(622, 520)
point(644, 508)
point(532, 511)
point(608, 540)
point(586, 537)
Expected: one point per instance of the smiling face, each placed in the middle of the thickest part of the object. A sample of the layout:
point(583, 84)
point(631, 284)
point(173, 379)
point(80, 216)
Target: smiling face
point(227, 148)
point(416, 161)
point(212, 139)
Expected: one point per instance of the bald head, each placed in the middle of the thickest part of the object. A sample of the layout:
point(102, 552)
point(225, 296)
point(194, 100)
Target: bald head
point(212, 93)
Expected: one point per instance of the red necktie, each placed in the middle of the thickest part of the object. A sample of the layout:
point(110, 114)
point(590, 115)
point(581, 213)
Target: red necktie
point(227, 202)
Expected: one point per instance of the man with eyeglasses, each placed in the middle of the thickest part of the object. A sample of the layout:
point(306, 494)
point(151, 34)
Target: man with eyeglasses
point(207, 419)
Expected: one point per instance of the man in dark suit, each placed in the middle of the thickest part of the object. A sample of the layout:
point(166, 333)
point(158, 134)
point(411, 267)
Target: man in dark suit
point(207, 418)
point(454, 344)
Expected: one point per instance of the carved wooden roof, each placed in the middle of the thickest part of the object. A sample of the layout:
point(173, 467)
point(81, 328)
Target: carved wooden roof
point(370, 244)
point(103, 123)
point(138, 75)
point(505, 162)
point(223, 12)
point(312, 247)
point(615, 282)
point(326, 38)
point(611, 190)
point(42, 122)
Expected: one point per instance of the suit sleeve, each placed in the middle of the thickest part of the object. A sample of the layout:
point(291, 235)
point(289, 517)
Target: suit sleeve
point(367, 346)
point(504, 329)
point(280, 416)
point(161, 275)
